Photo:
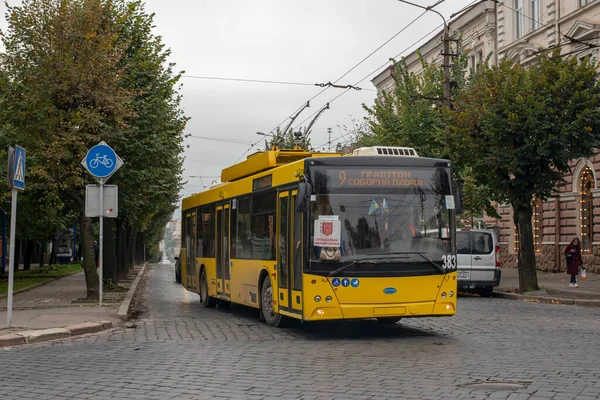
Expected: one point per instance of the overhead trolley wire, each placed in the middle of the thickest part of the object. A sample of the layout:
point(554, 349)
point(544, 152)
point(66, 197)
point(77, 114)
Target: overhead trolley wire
point(216, 78)
point(336, 81)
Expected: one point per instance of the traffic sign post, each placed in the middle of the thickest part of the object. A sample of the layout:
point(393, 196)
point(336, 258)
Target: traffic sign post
point(102, 162)
point(16, 182)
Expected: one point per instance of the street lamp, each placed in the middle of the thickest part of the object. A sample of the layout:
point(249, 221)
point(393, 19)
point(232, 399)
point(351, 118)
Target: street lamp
point(446, 51)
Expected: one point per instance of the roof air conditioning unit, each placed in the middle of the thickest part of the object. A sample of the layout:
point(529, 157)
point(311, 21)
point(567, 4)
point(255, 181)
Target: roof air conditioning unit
point(385, 151)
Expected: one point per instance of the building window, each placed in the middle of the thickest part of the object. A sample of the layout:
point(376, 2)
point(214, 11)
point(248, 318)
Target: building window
point(586, 210)
point(538, 224)
point(535, 14)
point(584, 2)
point(590, 57)
point(516, 238)
point(518, 18)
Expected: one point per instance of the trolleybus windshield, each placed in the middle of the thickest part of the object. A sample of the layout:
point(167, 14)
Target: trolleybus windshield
point(380, 219)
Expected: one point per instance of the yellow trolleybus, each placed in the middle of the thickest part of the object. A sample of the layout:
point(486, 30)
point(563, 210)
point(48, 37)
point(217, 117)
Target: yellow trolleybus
point(317, 236)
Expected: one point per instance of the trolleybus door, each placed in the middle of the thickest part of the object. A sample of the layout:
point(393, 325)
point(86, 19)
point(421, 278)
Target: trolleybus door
point(189, 275)
point(222, 253)
point(289, 299)
point(295, 258)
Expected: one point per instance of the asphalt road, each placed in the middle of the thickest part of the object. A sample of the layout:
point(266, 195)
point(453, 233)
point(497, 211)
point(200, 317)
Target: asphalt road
point(177, 349)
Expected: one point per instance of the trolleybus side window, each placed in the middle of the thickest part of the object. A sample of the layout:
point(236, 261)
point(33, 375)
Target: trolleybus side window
point(262, 227)
point(206, 232)
point(240, 230)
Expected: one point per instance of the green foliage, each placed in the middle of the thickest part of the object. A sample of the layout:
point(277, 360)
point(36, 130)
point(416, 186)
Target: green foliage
point(413, 115)
point(518, 128)
point(73, 73)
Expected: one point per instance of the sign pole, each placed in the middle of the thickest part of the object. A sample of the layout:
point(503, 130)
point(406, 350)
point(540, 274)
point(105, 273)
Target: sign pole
point(11, 267)
point(101, 240)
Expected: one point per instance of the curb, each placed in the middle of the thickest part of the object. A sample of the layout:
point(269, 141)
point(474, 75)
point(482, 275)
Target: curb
point(40, 335)
point(547, 300)
point(125, 306)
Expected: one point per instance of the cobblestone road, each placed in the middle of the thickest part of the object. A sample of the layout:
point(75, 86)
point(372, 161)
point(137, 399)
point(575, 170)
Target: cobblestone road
point(177, 349)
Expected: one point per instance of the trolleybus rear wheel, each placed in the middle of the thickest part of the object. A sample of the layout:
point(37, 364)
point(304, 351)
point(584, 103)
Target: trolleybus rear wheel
point(266, 304)
point(209, 302)
point(388, 320)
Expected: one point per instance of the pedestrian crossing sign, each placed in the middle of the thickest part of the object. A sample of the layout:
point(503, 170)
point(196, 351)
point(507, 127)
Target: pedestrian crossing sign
point(19, 168)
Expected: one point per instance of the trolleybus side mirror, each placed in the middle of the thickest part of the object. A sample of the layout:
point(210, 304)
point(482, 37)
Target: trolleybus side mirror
point(458, 201)
point(304, 192)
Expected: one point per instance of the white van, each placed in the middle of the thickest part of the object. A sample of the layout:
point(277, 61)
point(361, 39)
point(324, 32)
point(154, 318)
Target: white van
point(478, 265)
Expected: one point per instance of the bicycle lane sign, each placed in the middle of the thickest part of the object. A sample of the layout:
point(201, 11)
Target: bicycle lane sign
point(101, 161)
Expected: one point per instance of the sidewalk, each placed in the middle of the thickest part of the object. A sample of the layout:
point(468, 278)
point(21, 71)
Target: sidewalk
point(554, 288)
point(61, 303)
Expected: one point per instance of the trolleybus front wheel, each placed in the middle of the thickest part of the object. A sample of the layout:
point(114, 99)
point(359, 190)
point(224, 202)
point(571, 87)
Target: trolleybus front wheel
point(209, 302)
point(266, 304)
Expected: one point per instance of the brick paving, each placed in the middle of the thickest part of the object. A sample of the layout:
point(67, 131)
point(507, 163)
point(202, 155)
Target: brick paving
point(176, 349)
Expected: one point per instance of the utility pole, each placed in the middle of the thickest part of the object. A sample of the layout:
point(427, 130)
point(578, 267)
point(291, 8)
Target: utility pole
point(329, 141)
point(445, 52)
point(446, 66)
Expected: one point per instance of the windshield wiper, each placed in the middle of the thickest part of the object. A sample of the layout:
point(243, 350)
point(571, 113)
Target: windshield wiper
point(340, 269)
point(439, 267)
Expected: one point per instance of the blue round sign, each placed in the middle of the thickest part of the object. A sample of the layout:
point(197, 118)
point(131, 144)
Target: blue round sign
point(345, 282)
point(354, 282)
point(101, 160)
point(335, 282)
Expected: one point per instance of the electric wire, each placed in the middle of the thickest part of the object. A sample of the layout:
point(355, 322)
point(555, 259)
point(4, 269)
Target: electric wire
point(216, 78)
point(340, 78)
point(218, 140)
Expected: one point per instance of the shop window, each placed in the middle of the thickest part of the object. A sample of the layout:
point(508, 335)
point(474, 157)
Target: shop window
point(586, 209)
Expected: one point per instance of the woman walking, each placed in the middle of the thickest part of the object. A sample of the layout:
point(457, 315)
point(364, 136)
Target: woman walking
point(573, 254)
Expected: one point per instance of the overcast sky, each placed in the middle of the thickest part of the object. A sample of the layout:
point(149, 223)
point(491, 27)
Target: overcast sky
point(305, 41)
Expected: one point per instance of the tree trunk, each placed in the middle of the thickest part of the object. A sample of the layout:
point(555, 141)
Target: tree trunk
point(42, 254)
point(28, 253)
point(131, 250)
point(89, 263)
point(526, 256)
point(121, 243)
point(139, 252)
point(17, 254)
point(110, 258)
point(53, 253)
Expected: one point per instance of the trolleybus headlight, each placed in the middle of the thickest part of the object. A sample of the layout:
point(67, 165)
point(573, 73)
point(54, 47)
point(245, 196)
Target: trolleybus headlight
point(451, 294)
point(328, 299)
point(317, 298)
point(443, 295)
point(320, 312)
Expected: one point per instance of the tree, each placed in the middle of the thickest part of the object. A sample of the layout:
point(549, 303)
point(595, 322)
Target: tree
point(64, 94)
point(75, 72)
point(518, 128)
point(413, 115)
